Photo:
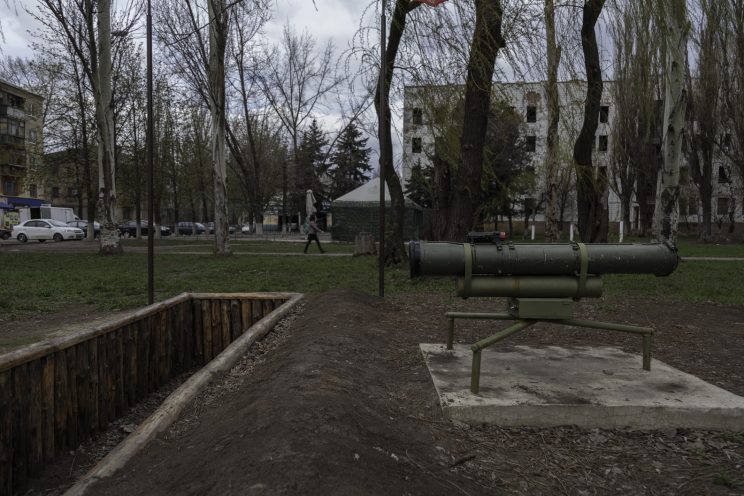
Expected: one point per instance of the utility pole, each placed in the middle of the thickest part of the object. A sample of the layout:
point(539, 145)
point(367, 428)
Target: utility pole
point(150, 167)
point(383, 140)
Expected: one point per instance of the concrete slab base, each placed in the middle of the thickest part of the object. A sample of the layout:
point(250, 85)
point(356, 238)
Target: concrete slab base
point(583, 386)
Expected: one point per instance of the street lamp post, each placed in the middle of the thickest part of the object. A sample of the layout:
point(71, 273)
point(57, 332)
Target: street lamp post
point(150, 167)
point(382, 132)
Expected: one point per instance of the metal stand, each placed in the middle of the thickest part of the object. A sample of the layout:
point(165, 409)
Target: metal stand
point(523, 322)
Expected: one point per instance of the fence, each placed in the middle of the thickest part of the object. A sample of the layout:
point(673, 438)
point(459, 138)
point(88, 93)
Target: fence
point(60, 393)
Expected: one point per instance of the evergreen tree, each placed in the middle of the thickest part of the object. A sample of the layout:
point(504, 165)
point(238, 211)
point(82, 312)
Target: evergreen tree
point(312, 169)
point(350, 159)
point(419, 186)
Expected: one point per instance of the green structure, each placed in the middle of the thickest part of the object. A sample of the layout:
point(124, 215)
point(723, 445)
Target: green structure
point(541, 281)
point(359, 211)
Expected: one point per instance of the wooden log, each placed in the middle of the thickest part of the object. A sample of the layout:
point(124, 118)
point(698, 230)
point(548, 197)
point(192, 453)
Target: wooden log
point(21, 439)
point(130, 361)
point(226, 334)
point(47, 408)
point(246, 310)
point(94, 385)
point(62, 400)
point(35, 429)
point(198, 320)
point(72, 433)
point(176, 328)
point(117, 341)
point(267, 307)
point(84, 377)
point(206, 311)
point(6, 432)
point(164, 356)
point(104, 384)
point(256, 311)
point(216, 328)
point(172, 407)
point(188, 335)
point(43, 348)
point(152, 322)
point(143, 360)
point(236, 324)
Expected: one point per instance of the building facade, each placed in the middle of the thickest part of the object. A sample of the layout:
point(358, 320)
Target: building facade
point(428, 111)
point(21, 141)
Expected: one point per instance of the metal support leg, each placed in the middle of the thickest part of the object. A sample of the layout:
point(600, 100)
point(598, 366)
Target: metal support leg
point(647, 343)
point(475, 373)
point(450, 332)
point(484, 343)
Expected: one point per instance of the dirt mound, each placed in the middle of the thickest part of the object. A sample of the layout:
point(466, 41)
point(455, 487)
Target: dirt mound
point(345, 406)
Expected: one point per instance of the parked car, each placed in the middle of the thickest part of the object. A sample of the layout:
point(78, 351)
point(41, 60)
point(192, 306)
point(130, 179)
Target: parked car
point(129, 229)
point(247, 229)
point(191, 228)
point(44, 229)
point(4, 233)
point(83, 224)
point(210, 228)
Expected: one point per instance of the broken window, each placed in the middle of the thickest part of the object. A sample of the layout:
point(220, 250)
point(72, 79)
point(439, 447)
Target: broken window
point(604, 114)
point(416, 145)
point(418, 117)
point(603, 143)
point(531, 143)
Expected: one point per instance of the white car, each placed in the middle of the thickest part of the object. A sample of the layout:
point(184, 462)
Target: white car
point(43, 229)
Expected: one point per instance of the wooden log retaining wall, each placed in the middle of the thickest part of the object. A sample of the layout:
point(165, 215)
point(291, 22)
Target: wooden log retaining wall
point(57, 394)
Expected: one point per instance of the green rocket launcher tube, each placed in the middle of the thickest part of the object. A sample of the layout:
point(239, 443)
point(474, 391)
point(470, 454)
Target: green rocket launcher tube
point(449, 259)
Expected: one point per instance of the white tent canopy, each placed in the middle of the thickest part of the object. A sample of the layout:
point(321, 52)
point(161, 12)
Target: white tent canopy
point(366, 193)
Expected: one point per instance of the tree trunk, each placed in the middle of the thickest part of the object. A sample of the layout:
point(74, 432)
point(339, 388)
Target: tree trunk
point(109, 237)
point(551, 157)
point(217, 44)
point(666, 212)
point(394, 249)
point(588, 189)
point(467, 191)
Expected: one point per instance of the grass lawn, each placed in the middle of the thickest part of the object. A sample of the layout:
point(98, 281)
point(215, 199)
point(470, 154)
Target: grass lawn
point(183, 244)
point(36, 283)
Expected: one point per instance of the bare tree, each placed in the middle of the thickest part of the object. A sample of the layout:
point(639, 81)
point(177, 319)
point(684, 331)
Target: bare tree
point(675, 28)
point(487, 41)
point(86, 25)
point(635, 133)
point(551, 155)
point(198, 59)
point(218, 32)
point(297, 79)
point(593, 221)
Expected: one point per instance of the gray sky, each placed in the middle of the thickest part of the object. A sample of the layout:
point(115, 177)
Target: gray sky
point(336, 20)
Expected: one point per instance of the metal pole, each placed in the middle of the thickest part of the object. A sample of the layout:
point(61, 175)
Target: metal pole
point(150, 167)
point(383, 137)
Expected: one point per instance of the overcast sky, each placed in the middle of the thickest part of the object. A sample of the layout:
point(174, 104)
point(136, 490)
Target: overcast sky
point(334, 20)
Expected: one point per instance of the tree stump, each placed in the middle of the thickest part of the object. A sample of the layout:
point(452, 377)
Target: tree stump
point(364, 244)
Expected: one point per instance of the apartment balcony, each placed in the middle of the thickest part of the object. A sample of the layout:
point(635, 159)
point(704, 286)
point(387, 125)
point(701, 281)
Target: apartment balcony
point(16, 141)
point(14, 112)
point(13, 169)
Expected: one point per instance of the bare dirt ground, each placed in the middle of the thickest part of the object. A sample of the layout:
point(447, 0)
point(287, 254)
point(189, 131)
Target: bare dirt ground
point(344, 405)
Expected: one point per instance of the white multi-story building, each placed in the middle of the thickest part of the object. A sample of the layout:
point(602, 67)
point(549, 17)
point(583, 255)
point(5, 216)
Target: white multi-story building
point(429, 110)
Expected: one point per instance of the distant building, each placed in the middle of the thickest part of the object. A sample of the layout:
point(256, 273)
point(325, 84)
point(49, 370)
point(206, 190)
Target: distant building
point(21, 141)
point(427, 109)
point(423, 119)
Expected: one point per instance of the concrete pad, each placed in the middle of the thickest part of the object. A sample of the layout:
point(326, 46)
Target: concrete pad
point(584, 386)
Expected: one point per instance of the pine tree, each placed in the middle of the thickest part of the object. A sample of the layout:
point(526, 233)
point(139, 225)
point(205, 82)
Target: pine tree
point(350, 159)
point(312, 169)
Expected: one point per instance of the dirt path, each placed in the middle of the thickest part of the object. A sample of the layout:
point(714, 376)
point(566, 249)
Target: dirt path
point(345, 406)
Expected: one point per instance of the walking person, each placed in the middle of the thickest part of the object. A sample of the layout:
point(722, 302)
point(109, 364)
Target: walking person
point(312, 233)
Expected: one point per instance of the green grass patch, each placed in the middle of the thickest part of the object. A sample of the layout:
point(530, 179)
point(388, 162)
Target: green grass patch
point(37, 283)
point(183, 244)
point(694, 281)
